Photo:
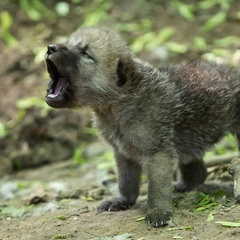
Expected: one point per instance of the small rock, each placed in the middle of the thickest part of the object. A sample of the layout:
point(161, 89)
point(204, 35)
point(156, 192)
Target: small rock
point(37, 195)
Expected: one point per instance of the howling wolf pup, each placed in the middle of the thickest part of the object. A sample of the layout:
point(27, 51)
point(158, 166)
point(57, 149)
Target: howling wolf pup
point(157, 120)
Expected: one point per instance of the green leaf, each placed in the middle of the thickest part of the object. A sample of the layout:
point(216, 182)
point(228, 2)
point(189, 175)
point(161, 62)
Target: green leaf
point(214, 21)
point(91, 131)
point(141, 41)
point(210, 217)
point(205, 202)
point(89, 199)
point(185, 10)
point(176, 47)
point(226, 41)
point(177, 237)
point(127, 27)
point(97, 13)
point(164, 34)
point(140, 219)
point(64, 200)
point(61, 217)
point(60, 236)
point(13, 211)
point(42, 9)
point(189, 227)
point(219, 193)
point(207, 4)
point(32, 13)
point(77, 156)
point(137, 45)
point(6, 21)
point(39, 53)
point(3, 131)
point(23, 185)
point(93, 19)
point(238, 15)
point(229, 224)
point(200, 43)
point(106, 160)
point(30, 102)
point(153, 40)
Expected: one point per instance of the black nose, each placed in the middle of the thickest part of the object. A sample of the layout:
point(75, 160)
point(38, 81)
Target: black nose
point(52, 48)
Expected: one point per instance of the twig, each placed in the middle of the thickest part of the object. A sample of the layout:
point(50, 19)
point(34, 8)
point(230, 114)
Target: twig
point(92, 234)
point(221, 159)
point(234, 170)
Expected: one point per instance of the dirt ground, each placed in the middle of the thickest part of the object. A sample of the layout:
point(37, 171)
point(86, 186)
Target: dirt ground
point(44, 193)
point(65, 200)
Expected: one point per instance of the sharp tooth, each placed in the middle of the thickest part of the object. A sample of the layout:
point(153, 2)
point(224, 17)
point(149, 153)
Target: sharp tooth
point(52, 95)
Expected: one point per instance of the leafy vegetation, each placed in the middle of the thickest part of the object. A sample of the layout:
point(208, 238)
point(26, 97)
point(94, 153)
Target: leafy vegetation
point(227, 144)
point(206, 202)
point(60, 236)
point(36, 10)
point(174, 231)
point(3, 131)
point(78, 156)
point(215, 13)
point(144, 34)
point(12, 211)
point(6, 23)
point(229, 224)
point(61, 217)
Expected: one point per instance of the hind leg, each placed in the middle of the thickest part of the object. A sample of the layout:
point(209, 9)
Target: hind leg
point(191, 174)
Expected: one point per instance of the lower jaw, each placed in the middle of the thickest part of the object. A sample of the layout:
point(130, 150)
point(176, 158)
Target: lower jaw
point(57, 102)
point(60, 92)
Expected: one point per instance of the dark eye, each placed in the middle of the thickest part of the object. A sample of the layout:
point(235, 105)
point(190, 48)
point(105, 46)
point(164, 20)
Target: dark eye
point(86, 55)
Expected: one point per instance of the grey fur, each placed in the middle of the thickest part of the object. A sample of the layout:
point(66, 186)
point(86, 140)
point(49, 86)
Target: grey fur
point(155, 119)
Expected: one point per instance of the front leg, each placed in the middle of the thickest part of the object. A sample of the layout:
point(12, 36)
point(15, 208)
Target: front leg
point(160, 170)
point(129, 174)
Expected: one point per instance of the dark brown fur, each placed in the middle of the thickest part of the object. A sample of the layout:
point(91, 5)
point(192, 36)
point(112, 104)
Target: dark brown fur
point(155, 119)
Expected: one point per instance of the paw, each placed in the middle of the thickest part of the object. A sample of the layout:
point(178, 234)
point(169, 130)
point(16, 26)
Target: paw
point(181, 187)
point(158, 218)
point(115, 204)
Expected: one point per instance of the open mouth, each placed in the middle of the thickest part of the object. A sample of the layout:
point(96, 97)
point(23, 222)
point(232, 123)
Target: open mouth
point(58, 85)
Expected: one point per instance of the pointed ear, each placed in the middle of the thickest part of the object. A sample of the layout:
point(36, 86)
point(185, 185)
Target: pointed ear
point(122, 73)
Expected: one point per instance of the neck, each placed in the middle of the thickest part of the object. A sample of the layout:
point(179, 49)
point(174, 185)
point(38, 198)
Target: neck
point(115, 97)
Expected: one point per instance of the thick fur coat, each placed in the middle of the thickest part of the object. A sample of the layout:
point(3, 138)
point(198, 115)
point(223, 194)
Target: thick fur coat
point(158, 120)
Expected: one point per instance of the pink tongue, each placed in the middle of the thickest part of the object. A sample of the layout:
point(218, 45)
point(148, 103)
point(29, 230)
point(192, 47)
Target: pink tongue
point(60, 84)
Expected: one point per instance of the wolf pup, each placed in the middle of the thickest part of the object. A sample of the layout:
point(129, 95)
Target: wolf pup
point(157, 120)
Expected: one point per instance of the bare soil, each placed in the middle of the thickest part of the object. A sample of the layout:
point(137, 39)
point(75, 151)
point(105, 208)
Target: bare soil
point(66, 209)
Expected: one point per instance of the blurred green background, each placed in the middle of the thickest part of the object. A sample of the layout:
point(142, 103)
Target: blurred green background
point(158, 31)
